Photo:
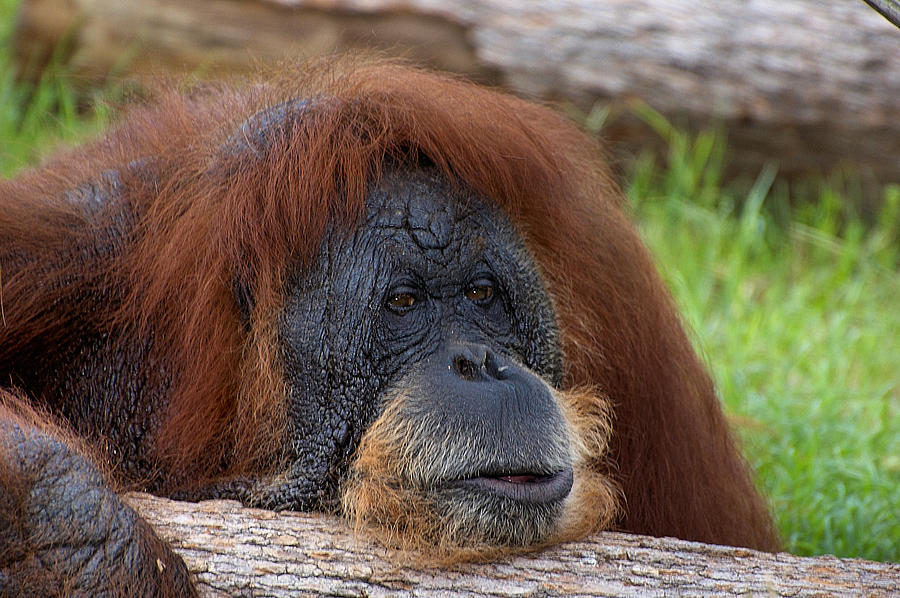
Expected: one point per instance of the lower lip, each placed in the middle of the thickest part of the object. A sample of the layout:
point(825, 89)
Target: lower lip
point(524, 488)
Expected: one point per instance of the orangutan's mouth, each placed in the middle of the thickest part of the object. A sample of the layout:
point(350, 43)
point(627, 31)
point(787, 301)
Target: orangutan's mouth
point(522, 487)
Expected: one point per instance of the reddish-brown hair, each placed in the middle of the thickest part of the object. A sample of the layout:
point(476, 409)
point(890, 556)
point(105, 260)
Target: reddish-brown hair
point(208, 215)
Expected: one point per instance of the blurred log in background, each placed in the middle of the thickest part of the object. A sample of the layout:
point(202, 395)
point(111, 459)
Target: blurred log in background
point(810, 84)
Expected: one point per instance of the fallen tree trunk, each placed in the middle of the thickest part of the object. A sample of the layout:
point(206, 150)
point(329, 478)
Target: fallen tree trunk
point(809, 83)
point(238, 551)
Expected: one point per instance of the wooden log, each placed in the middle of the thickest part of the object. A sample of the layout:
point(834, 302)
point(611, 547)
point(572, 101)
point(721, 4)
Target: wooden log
point(811, 84)
point(236, 551)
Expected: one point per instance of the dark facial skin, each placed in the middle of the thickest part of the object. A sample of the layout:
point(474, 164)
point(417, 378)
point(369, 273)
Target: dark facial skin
point(433, 297)
point(434, 292)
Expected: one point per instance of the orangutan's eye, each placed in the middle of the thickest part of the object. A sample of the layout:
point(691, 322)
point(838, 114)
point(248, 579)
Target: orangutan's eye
point(481, 292)
point(401, 300)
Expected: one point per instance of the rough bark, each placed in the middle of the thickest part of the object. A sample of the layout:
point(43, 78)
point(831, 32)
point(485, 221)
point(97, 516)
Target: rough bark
point(809, 83)
point(235, 551)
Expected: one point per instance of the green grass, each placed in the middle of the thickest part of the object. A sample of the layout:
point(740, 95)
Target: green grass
point(800, 323)
point(36, 118)
point(796, 308)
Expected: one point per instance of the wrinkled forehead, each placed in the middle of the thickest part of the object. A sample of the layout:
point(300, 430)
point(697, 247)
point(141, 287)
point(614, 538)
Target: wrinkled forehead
point(435, 214)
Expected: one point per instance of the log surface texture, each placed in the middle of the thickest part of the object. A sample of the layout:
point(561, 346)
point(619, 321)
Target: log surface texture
point(809, 83)
point(236, 551)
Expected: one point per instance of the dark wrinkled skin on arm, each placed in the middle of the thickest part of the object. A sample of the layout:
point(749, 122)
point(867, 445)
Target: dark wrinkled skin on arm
point(65, 532)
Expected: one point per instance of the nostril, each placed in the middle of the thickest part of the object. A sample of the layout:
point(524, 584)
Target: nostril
point(474, 364)
point(494, 369)
point(466, 368)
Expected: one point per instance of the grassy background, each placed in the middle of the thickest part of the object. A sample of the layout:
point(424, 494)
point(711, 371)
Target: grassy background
point(795, 302)
point(36, 118)
point(799, 318)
